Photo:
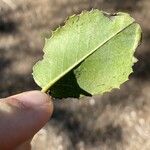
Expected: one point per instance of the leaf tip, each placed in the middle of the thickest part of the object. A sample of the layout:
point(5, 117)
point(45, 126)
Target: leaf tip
point(134, 60)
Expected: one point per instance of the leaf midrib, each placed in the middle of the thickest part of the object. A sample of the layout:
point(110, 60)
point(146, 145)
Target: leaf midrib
point(45, 89)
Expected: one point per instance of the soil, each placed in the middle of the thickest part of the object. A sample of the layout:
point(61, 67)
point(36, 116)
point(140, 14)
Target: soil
point(119, 120)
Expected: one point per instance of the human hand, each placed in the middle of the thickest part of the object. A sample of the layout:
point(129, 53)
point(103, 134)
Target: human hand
point(21, 116)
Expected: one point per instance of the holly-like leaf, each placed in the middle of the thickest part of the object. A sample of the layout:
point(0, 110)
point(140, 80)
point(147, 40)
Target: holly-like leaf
point(91, 54)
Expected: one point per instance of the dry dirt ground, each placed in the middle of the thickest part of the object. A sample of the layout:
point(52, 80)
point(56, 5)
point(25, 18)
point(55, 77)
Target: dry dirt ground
point(119, 120)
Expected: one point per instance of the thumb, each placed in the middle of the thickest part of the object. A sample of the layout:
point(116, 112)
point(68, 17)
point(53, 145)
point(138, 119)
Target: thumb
point(21, 116)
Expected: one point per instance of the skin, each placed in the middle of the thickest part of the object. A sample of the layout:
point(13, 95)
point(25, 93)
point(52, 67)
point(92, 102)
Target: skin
point(21, 117)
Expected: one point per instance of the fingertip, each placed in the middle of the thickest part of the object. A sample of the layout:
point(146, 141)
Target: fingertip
point(38, 102)
point(33, 99)
point(29, 111)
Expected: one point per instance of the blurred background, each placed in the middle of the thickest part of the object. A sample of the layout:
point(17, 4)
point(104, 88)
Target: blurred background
point(119, 120)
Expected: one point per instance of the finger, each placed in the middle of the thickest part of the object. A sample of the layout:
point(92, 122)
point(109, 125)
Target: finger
point(21, 116)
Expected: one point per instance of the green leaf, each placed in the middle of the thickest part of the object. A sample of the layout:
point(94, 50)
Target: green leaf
point(91, 54)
